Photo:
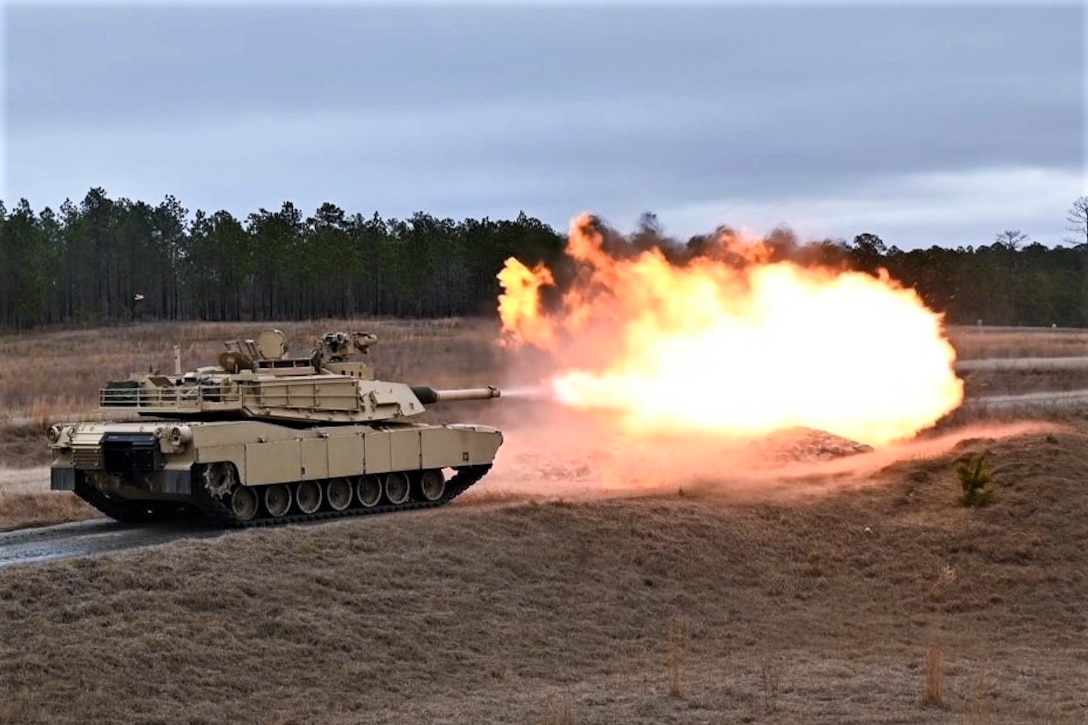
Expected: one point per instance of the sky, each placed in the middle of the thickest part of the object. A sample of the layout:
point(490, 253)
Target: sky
point(924, 123)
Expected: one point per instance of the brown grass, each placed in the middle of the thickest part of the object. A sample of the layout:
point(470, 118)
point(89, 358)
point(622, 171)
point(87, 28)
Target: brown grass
point(974, 343)
point(674, 658)
point(978, 712)
point(997, 342)
point(934, 691)
point(559, 611)
point(557, 714)
point(23, 445)
point(769, 676)
point(22, 510)
point(516, 607)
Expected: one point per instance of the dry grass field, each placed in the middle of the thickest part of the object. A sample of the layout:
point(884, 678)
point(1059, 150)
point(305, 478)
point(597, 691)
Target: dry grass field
point(567, 588)
point(1003, 342)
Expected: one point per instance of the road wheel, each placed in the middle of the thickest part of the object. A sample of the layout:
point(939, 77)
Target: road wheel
point(277, 499)
point(397, 487)
point(338, 492)
point(369, 491)
point(243, 502)
point(308, 496)
point(432, 484)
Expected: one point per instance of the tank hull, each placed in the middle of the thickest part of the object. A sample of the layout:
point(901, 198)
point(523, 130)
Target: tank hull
point(250, 472)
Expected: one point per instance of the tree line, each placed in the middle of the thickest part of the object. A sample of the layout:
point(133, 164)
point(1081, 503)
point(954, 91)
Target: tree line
point(105, 261)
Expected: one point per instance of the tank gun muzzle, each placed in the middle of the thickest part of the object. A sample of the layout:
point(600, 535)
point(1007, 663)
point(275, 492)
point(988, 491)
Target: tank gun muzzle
point(428, 395)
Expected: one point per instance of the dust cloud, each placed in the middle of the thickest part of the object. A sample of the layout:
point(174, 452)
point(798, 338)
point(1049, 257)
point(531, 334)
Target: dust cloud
point(554, 452)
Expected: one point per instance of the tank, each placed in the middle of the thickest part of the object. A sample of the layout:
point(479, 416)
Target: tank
point(264, 438)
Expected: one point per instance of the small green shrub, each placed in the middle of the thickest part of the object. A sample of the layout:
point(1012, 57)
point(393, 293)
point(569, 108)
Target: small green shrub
point(975, 477)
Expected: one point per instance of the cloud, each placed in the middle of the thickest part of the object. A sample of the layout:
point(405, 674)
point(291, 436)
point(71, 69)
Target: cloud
point(828, 112)
point(945, 209)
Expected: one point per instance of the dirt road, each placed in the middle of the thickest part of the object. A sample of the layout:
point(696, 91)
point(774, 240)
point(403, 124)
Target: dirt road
point(86, 538)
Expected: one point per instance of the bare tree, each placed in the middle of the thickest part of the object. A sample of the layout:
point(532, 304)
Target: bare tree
point(1078, 221)
point(1012, 240)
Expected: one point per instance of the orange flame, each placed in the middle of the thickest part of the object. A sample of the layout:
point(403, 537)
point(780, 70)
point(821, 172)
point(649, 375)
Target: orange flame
point(521, 303)
point(742, 349)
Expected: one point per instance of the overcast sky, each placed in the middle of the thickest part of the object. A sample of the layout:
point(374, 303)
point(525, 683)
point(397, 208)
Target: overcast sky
point(926, 124)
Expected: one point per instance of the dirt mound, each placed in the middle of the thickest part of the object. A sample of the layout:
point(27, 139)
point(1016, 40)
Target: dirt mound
point(806, 445)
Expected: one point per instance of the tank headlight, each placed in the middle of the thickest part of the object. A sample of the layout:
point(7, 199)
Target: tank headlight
point(60, 435)
point(180, 435)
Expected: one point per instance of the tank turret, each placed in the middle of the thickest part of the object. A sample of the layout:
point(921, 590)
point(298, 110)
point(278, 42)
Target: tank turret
point(262, 436)
point(257, 379)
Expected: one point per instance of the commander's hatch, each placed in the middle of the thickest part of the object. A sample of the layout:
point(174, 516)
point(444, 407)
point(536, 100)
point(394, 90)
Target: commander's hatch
point(267, 354)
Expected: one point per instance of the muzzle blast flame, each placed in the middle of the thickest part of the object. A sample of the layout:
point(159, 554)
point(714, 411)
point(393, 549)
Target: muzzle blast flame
point(528, 392)
point(741, 348)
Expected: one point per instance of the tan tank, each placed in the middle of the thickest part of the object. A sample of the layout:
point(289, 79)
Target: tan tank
point(265, 438)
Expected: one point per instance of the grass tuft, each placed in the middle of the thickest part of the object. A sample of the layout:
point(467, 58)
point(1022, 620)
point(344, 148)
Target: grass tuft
point(674, 658)
point(974, 474)
point(934, 690)
point(557, 714)
point(979, 711)
point(768, 672)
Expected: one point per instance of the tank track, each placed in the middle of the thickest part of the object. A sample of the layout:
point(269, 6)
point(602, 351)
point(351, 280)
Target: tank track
point(219, 511)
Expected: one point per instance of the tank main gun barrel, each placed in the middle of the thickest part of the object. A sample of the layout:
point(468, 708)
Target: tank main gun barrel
point(428, 395)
